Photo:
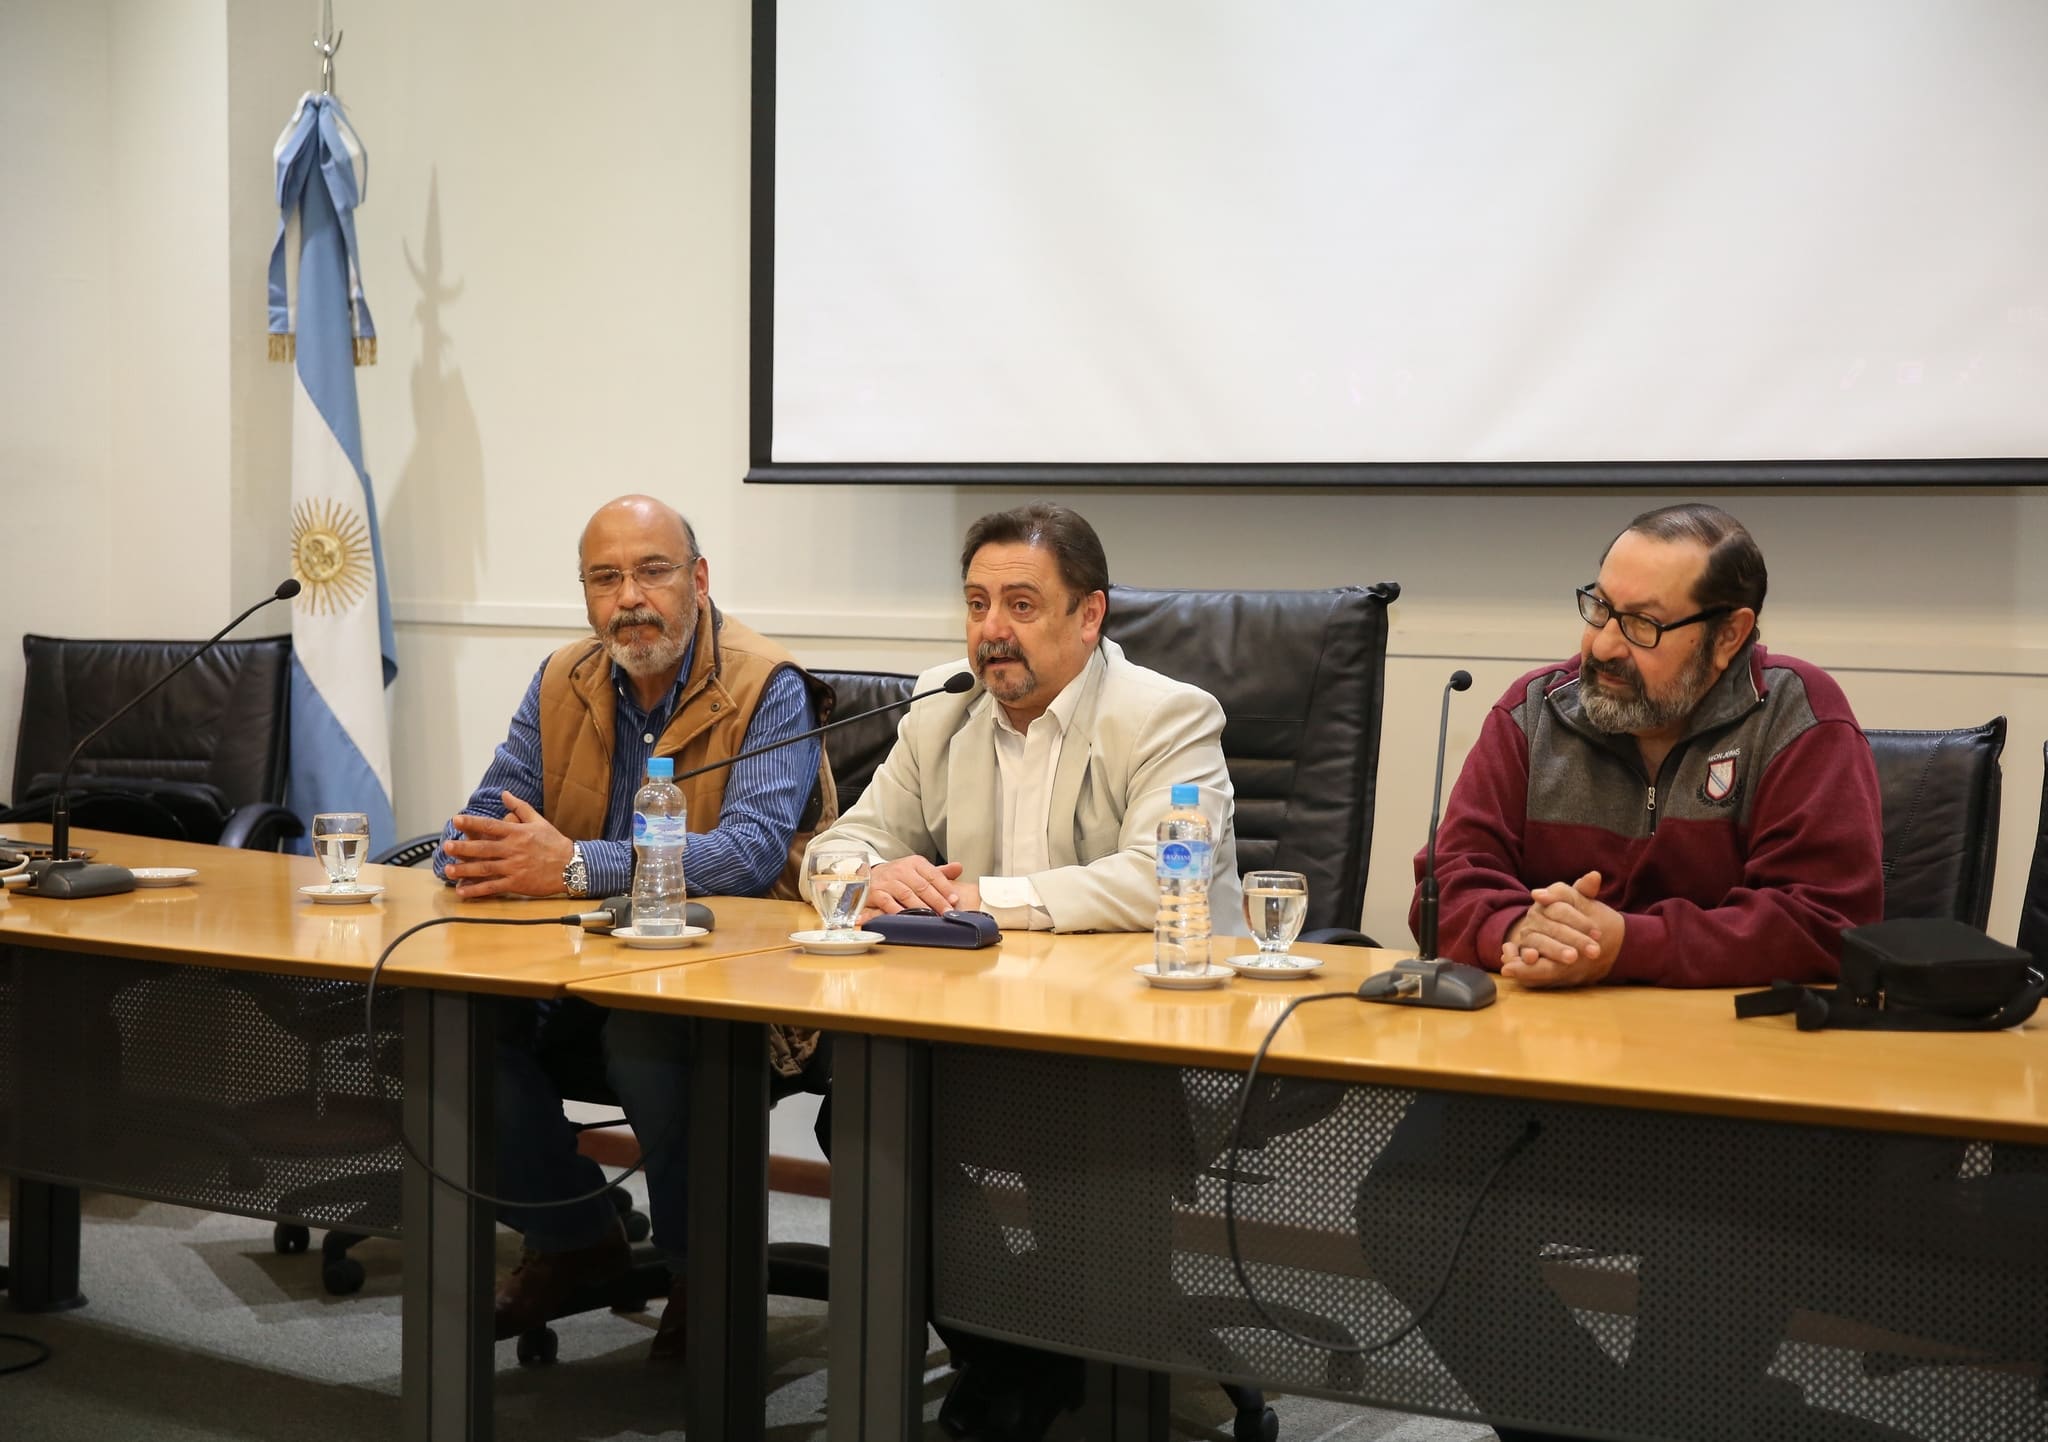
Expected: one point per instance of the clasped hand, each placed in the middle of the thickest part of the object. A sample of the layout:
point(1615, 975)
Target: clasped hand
point(519, 855)
point(1568, 937)
point(912, 881)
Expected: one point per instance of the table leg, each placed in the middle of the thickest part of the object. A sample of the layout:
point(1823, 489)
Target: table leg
point(445, 1381)
point(727, 1280)
point(1125, 1404)
point(881, 1238)
point(42, 1247)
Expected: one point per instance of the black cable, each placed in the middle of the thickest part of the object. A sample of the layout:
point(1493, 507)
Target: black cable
point(41, 1348)
point(1350, 1349)
point(377, 1078)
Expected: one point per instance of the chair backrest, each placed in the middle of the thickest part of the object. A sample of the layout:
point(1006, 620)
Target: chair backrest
point(2034, 906)
point(1300, 676)
point(222, 725)
point(1940, 793)
point(855, 751)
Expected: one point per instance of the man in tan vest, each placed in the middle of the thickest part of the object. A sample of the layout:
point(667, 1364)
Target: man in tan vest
point(664, 673)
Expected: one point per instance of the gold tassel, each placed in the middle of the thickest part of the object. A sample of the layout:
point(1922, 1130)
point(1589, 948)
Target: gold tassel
point(366, 350)
point(284, 346)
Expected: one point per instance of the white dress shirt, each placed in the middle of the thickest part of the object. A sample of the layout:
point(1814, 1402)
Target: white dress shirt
point(1026, 762)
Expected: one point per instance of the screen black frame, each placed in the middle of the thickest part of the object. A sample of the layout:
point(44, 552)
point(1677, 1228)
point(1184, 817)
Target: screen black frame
point(762, 468)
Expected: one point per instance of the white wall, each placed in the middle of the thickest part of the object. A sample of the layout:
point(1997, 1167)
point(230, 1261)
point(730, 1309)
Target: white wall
point(555, 247)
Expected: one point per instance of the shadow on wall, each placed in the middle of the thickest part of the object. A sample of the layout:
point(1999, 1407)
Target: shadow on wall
point(433, 527)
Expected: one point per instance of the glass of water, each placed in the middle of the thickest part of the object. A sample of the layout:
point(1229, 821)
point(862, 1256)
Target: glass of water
point(1275, 905)
point(341, 839)
point(839, 886)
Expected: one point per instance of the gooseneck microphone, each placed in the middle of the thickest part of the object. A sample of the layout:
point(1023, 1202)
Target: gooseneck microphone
point(957, 684)
point(1425, 980)
point(1426, 951)
point(60, 875)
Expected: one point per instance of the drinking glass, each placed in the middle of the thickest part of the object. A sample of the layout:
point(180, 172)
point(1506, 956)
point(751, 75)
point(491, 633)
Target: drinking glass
point(1275, 905)
point(341, 839)
point(839, 886)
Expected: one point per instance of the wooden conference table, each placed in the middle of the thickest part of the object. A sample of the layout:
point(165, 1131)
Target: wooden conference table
point(69, 1118)
point(1018, 1117)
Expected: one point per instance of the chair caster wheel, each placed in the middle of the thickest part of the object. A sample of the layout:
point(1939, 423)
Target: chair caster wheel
point(288, 1239)
point(538, 1347)
point(342, 1276)
point(638, 1227)
point(1260, 1426)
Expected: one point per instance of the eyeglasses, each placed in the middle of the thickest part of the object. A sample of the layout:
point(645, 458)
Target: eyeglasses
point(648, 576)
point(1636, 628)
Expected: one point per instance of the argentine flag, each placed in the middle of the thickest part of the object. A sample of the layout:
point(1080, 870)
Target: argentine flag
point(342, 652)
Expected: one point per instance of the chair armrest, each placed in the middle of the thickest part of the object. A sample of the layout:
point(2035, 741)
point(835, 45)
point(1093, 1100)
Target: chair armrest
point(1337, 936)
point(261, 826)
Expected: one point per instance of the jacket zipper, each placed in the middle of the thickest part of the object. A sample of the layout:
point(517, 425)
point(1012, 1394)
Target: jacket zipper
point(1653, 808)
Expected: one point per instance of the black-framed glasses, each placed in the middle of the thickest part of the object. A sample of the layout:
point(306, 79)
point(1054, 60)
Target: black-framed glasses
point(1636, 628)
point(648, 576)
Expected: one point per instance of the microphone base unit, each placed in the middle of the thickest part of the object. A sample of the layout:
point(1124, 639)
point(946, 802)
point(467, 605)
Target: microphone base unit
point(75, 880)
point(1431, 982)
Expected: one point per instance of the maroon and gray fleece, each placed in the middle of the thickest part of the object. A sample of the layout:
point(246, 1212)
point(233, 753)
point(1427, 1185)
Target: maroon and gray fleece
point(1758, 843)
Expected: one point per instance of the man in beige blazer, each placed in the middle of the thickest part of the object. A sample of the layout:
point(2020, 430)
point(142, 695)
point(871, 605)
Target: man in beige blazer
point(1036, 796)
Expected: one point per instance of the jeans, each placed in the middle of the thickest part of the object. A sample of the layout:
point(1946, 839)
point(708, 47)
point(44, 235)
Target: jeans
point(547, 1050)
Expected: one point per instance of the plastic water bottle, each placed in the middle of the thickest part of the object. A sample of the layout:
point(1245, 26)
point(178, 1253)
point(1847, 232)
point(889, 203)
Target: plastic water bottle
point(660, 833)
point(1180, 938)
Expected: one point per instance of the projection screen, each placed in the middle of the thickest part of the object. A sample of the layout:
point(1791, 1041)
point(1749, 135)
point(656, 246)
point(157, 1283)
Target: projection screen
point(1392, 241)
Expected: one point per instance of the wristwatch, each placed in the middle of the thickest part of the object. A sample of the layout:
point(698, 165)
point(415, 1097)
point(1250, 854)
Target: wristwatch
point(576, 875)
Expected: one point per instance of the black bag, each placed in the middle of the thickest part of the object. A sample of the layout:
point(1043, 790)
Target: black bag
point(1913, 975)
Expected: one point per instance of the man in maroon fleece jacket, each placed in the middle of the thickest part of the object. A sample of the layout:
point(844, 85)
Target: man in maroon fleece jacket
point(1674, 805)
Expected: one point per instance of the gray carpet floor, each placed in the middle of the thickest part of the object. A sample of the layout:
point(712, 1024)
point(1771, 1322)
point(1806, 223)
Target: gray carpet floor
point(197, 1331)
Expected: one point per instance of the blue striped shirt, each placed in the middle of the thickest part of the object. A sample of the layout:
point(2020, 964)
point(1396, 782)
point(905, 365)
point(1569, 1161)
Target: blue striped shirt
point(763, 802)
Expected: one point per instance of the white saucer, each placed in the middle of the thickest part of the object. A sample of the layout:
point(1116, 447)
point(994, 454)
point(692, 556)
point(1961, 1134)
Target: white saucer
point(1281, 967)
point(824, 943)
point(163, 875)
point(328, 896)
point(1185, 980)
point(670, 942)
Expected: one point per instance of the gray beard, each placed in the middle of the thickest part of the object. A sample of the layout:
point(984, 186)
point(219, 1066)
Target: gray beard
point(646, 658)
point(1638, 712)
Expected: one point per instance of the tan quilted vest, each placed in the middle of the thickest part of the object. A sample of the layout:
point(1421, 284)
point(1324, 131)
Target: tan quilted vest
point(729, 670)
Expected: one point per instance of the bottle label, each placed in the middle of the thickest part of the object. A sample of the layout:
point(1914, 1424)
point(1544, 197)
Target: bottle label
point(658, 831)
point(1184, 861)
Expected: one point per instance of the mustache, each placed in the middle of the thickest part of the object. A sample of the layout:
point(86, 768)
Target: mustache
point(1620, 670)
point(639, 616)
point(989, 651)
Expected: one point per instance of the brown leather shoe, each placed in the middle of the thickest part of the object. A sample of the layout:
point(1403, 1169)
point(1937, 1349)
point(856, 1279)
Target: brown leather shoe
point(671, 1337)
point(544, 1281)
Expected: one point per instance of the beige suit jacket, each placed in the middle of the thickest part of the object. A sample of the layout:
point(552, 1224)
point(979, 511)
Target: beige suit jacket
point(1134, 735)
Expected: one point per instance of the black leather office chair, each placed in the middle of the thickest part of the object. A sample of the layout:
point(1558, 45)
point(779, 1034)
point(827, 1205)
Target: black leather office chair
point(1940, 795)
point(857, 750)
point(1299, 675)
point(2033, 935)
point(203, 760)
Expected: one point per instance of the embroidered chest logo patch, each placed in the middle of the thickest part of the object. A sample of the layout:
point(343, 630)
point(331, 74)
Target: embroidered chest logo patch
point(1724, 782)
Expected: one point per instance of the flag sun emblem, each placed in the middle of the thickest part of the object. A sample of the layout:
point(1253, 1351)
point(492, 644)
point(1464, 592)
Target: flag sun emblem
point(330, 555)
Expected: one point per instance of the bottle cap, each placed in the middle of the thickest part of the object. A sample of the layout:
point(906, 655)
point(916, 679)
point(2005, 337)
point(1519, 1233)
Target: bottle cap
point(1187, 794)
point(661, 768)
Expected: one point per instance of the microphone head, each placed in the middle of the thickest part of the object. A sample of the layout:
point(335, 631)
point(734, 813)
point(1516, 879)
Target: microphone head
point(287, 588)
point(960, 683)
point(1461, 680)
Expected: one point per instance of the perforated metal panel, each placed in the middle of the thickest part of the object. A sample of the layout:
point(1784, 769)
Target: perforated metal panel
point(227, 1090)
point(1631, 1273)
